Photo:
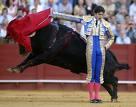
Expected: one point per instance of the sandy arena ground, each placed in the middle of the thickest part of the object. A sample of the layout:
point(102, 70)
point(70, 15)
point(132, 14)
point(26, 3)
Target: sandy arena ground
point(61, 99)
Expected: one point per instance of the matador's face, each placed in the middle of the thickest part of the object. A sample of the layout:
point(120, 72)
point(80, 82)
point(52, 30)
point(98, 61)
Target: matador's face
point(99, 15)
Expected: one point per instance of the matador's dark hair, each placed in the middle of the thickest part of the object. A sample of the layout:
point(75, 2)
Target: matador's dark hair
point(99, 9)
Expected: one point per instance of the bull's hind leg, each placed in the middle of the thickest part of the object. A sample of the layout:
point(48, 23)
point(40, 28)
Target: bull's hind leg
point(115, 85)
point(20, 68)
point(108, 88)
point(111, 86)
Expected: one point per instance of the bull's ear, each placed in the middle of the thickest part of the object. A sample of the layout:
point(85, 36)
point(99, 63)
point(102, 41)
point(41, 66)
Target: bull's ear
point(22, 50)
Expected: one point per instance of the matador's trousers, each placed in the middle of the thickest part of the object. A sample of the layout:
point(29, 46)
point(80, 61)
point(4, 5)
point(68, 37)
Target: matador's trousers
point(95, 55)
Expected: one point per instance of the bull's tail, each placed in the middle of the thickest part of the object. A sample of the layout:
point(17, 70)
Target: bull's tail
point(123, 66)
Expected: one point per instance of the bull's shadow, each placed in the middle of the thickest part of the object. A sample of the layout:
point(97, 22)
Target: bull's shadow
point(59, 45)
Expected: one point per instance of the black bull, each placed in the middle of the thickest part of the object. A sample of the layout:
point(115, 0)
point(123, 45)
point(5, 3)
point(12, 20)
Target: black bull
point(59, 45)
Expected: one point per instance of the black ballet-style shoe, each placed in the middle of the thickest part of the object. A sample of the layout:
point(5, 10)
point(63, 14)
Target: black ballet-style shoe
point(98, 101)
point(92, 101)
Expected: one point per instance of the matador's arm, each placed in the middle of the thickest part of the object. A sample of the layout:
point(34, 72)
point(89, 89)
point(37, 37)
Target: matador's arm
point(110, 36)
point(67, 17)
point(77, 19)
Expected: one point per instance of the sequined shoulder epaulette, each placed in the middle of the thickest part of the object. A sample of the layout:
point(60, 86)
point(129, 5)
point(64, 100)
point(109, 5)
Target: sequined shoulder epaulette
point(106, 23)
point(87, 18)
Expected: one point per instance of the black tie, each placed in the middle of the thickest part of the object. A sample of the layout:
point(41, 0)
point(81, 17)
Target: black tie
point(96, 22)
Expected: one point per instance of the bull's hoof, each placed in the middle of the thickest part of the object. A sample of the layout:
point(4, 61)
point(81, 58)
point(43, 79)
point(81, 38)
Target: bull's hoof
point(15, 69)
point(114, 100)
point(10, 70)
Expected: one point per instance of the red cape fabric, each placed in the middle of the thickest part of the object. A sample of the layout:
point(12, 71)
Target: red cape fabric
point(20, 29)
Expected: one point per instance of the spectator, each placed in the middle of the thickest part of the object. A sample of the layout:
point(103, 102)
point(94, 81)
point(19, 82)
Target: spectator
point(79, 10)
point(109, 7)
point(132, 10)
point(20, 13)
point(12, 7)
point(5, 17)
point(89, 6)
point(37, 5)
point(51, 4)
point(4, 2)
point(127, 19)
point(99, 2)
point(65, 7)
point(120, 16)
point(43, 1)
point(117, 5)
point(117, 29)
point(31, 2)
point(3, 31)
point(24, 5)
point(112, 20)
point(1, 6)
point(120, 3)
point(33, 10)
point(73, 2)
point(123, 38)
point(131, 31)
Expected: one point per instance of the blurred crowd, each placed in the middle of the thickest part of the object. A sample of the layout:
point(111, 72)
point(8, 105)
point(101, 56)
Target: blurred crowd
point(120, 13)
